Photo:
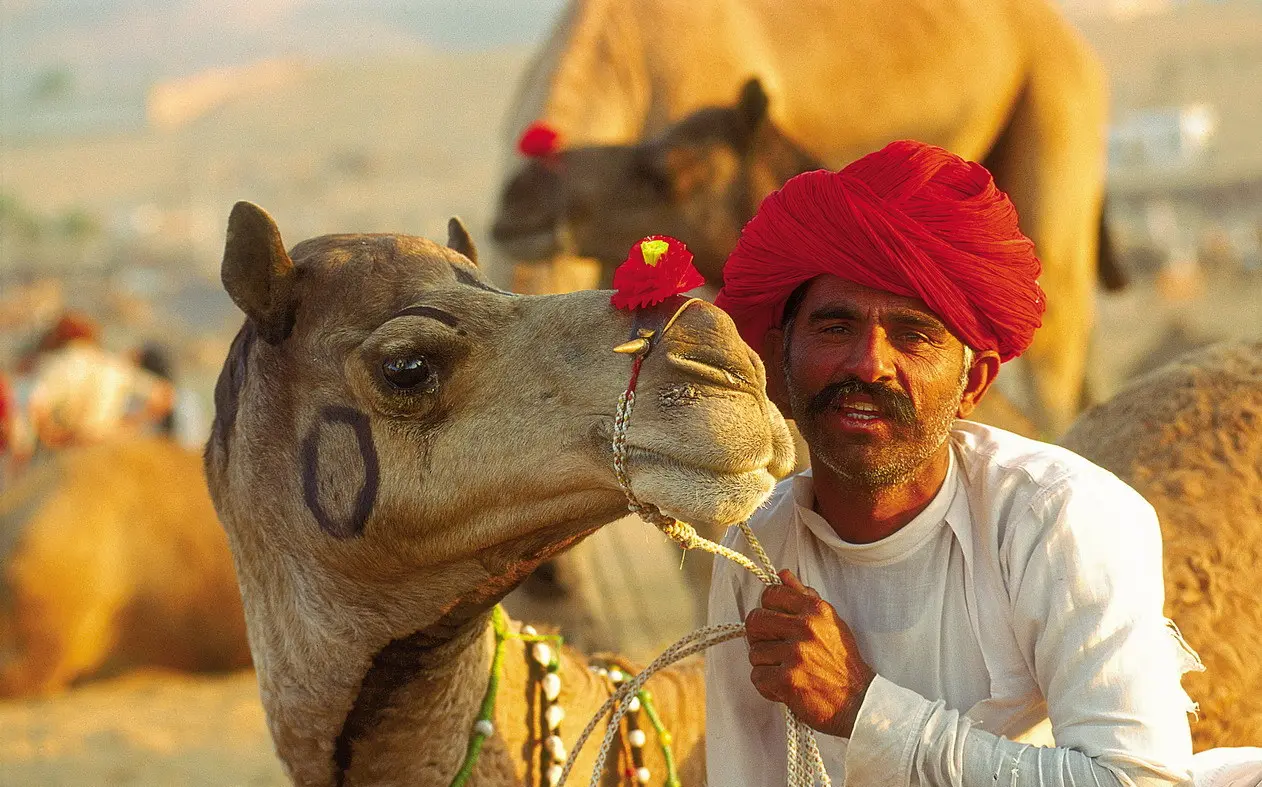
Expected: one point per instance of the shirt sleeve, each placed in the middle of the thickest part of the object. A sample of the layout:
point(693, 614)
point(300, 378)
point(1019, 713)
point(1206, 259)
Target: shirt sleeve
point(901, 738)
point(1085, 585)
point(1087, 594)
point(745, 740)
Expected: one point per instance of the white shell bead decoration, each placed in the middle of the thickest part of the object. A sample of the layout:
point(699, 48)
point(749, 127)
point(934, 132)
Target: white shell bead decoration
point(542, 653)
point(528, 630)
point(633, 704)
point(556, 748)
point(551, 686)
point(616, 675)
point(554, 715)
point(637, 738)
point(642, 775)
point(554, 775)
point(484, 727)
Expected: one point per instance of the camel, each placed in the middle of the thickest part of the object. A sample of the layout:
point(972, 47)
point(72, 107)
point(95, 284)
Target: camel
point(397, 444)
point(1007, 82)
point(1188, 437)
point(113, 559)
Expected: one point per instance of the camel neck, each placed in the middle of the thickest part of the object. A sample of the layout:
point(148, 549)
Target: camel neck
point(778, 159)
point(411, 689)
point(433, 648)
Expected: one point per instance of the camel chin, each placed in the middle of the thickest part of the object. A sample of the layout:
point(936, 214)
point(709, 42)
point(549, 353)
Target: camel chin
point(703, 498)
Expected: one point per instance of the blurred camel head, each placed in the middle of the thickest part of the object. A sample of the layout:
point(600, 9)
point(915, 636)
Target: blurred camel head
point(699, 180)
point(397, 444)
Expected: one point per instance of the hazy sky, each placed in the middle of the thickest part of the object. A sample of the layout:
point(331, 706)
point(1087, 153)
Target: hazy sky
point(175, 35)
point(102, 54)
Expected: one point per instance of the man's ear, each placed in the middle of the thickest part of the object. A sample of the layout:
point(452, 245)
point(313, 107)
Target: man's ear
point(773, 360)
point(980, 377)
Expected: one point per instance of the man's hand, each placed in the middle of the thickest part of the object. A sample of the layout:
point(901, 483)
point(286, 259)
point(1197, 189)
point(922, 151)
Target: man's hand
point(805, 656)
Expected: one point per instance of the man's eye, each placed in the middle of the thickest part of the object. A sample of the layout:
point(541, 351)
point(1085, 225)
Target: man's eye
point(407, 374)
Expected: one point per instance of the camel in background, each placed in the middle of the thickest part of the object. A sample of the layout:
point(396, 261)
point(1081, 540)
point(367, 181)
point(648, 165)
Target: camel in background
point(397, 444)
point(112, 559)
point(1188, 437)
point(1006, 82)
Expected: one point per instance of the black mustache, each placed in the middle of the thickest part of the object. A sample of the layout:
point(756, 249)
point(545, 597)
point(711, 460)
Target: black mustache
point(892, 403)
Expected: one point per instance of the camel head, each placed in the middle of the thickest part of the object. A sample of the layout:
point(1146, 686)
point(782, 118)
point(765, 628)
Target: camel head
point(699, 180)
point(397, 443)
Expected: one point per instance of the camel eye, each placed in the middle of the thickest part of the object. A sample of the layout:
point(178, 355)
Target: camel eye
point(407, 374)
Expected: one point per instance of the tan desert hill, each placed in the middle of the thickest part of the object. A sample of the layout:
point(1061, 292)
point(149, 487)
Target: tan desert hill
point(397, 144)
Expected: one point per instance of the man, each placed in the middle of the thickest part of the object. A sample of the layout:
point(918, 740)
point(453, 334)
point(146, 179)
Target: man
point(961, 606)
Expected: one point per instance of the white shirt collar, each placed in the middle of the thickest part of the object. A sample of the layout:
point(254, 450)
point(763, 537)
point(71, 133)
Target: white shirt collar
point(897, 545)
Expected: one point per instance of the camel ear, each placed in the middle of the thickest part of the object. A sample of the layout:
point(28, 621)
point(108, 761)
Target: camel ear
point(257, 272)
point(458, 239)
point(752, 103)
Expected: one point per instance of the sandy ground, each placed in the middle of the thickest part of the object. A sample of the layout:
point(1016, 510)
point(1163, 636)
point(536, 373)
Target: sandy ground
point(142, 729)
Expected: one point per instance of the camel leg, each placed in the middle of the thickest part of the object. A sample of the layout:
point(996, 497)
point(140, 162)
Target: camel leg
point(1050, 159)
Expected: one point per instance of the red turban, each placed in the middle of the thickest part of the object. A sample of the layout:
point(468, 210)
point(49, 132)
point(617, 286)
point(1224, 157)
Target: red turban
point(911, 219)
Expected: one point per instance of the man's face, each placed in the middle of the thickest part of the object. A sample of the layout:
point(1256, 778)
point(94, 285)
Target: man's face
point(874, 380)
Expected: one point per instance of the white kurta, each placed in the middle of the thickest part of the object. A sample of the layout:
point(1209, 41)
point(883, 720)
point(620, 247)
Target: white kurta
point(1015, 626)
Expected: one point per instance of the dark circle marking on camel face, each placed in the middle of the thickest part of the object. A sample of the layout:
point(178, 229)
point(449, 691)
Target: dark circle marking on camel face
point(339, 491)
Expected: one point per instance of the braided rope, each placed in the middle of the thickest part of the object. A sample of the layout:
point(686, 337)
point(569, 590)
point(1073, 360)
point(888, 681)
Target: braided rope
point(692, 643)
point(805, 765)
point(682, 533)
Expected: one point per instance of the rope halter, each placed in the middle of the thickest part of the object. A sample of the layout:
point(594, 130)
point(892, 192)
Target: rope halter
point(805, 765)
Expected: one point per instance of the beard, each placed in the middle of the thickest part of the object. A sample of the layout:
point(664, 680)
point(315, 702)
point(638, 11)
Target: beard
point(869, 461)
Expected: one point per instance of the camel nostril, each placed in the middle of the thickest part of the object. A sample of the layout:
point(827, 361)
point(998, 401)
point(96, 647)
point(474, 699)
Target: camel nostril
point(704, 362)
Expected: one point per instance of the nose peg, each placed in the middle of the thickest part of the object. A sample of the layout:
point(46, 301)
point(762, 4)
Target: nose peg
point(633, 347)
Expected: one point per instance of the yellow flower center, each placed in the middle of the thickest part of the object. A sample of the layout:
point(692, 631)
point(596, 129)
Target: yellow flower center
point(653, 251)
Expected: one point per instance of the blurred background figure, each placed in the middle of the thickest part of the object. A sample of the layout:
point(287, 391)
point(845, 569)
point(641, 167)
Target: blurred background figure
point(82, 394)
point(185, 420)
point(15, 437)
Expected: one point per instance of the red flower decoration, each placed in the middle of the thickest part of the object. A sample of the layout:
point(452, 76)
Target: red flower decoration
point(538, 140)
point(657, 268)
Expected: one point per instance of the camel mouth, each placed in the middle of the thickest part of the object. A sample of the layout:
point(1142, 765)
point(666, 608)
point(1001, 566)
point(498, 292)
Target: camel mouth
point(705, 499)
point(699, 494)
point(722, 466)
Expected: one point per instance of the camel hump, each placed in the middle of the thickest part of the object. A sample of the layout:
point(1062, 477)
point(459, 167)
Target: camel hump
point(257, 271)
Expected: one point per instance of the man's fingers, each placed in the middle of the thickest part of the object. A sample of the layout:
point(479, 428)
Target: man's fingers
point(770, 654)
point(768, 625)
point(791, 581)
point(783, 598)
point(769, 682)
